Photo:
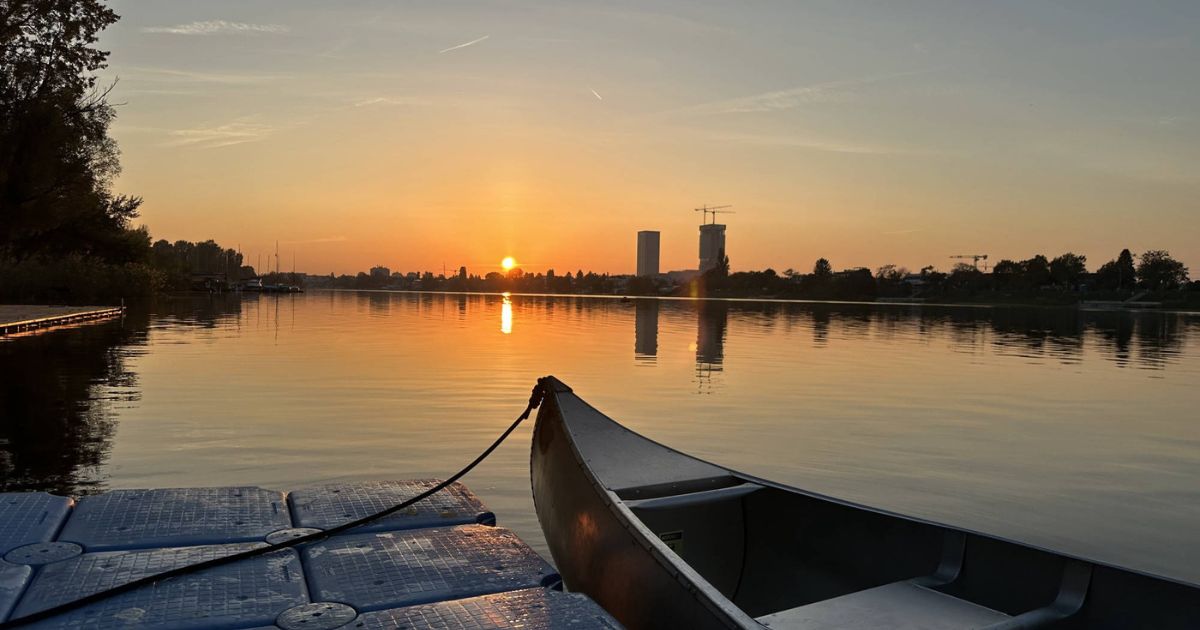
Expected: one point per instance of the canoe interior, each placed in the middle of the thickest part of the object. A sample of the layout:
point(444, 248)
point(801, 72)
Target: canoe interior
point(792, 559)
point(768, 550)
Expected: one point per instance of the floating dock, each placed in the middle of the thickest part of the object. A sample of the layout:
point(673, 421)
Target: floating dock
point(16, 318)
point(442, 563)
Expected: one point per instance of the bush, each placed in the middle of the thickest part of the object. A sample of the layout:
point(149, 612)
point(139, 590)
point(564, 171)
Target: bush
point(76, 279)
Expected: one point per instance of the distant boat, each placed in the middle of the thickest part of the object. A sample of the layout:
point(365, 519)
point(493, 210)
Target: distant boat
point(281, 288)
point(664, 540)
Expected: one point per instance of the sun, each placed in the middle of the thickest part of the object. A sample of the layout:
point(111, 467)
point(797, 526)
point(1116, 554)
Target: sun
point(508, 263)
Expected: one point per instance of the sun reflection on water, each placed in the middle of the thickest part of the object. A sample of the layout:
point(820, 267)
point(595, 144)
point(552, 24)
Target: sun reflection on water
point(506, 314)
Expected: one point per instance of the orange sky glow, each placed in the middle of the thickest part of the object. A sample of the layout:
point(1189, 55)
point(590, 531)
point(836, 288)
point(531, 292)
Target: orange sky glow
point(418, 137)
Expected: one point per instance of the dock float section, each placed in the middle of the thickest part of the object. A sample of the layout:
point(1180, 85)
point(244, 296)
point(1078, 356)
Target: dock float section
point(20, 318)
point(442, 563)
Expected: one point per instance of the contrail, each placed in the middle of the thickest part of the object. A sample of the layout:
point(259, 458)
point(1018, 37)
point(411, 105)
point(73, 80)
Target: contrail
point(597, 94)
point(473, 41)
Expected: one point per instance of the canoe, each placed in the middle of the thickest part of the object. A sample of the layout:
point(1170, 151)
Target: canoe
point(665, 540)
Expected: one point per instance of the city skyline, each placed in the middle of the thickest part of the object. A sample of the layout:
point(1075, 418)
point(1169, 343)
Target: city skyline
point(366, 132)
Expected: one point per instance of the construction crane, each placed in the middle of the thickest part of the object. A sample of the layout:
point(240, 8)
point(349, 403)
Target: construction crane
point(713, 210)
point(974, 258)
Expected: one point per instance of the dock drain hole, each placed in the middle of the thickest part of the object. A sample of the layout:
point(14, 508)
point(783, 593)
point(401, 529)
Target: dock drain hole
point(37, 554)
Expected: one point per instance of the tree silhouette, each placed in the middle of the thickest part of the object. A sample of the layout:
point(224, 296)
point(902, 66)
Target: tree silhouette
point(1158, 271)
point(1066, 270)
point(1125, 271)
point(57, 161)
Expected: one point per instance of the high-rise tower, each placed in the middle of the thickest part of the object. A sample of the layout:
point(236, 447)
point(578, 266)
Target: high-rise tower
point(647, 253)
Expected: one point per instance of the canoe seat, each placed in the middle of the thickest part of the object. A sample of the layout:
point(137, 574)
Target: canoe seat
point(917, 604)
point(898, 605)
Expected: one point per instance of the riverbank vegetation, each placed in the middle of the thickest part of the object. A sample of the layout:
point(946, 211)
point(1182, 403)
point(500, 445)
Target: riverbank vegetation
point(65, 230)
point(66, 235)
point(1065, 279)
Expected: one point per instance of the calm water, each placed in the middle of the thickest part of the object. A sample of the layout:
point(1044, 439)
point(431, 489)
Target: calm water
point(1078, 431)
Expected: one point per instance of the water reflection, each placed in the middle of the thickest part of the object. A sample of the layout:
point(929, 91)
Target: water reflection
point(1141, 339)
point(62, 390)
point(711, 321)
point(56, 428)
point(820, 324)
point(645, 331)
point(506, 315)
point(380, 304)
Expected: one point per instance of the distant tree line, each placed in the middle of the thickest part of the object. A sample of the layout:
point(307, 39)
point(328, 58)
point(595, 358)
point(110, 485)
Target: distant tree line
point(515, 280)
point(1063, 278)
point(181, 260)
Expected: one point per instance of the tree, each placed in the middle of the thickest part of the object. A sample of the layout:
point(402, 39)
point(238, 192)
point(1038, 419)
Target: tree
point(822, 270)
point(965, 278)
point(1066, 270)
point(890, 281)
point(1117, 275)
point(891, 273)
point(57, 161)
point(1035, 272)
point(855, 284)
point(1125, 271)
point(1158, 271)
point(1006, 274)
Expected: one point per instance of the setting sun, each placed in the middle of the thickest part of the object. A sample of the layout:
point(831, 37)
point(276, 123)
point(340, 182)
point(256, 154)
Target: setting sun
point(508, 263)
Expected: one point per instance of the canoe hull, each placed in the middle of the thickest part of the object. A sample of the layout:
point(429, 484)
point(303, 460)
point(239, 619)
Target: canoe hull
point(594, 551)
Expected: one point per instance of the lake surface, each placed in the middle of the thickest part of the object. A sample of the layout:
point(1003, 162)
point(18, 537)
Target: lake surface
point(1074, 430)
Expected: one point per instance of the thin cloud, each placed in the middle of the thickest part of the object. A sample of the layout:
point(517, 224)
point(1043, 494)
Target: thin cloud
point(814, 144)
point(791, 98)
point(386, 100)
point(899, 232)
point(597, 95)
point(217, 27)
point(174, 76)
point(470, 43)
point(237, 132)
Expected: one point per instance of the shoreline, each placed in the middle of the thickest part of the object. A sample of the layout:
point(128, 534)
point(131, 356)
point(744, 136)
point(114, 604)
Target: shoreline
point(1079, 305)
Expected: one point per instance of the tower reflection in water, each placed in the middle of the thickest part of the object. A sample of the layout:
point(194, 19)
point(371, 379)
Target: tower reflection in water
point(712, 319)
point(645, 331)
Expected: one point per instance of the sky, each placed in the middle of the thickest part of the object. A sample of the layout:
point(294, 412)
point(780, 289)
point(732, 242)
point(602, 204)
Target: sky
point(423, 134)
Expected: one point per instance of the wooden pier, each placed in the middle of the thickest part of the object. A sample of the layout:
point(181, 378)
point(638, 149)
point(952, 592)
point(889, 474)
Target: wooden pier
point(442, 563)
point(16, 318)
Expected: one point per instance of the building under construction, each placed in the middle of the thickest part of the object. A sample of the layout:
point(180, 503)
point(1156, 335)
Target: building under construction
point(712, 237)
